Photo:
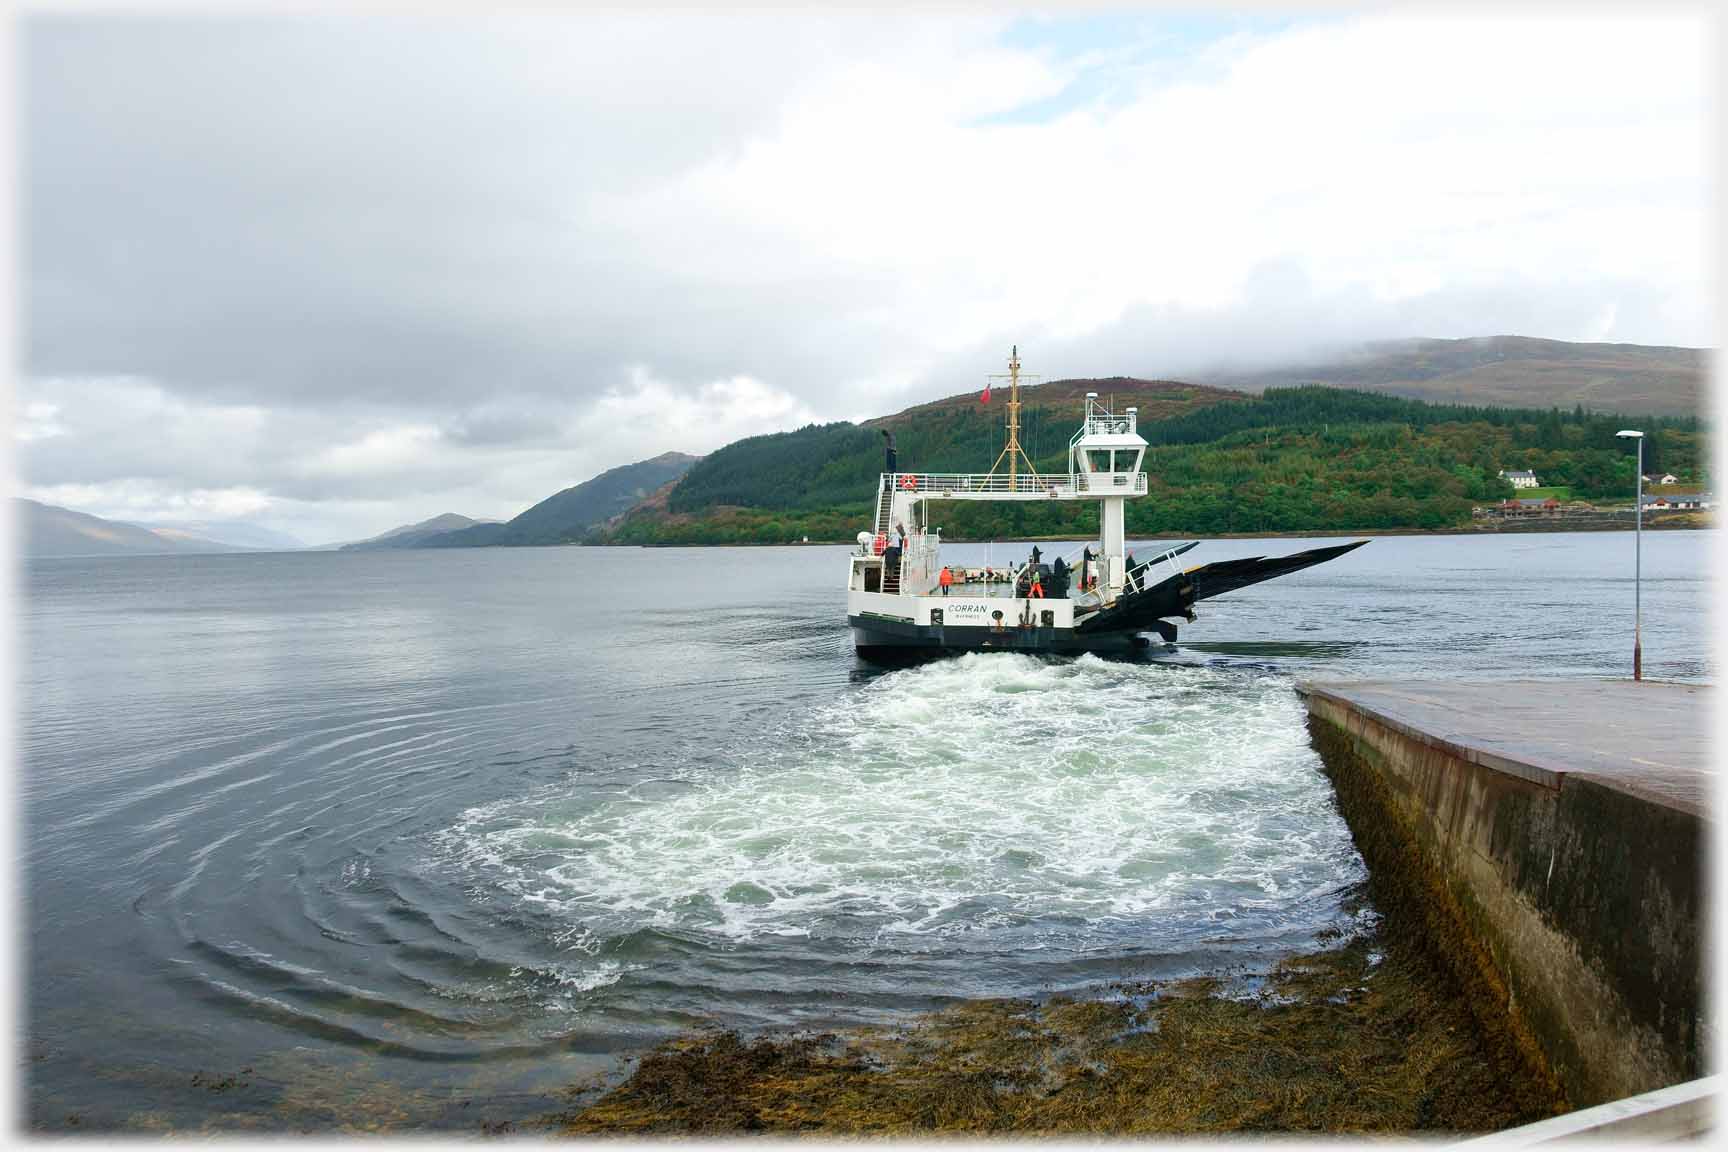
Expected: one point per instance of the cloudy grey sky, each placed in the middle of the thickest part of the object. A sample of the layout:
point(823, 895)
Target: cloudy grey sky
point(335, 274)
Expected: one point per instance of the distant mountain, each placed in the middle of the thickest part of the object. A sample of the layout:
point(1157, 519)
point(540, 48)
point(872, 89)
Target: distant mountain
point(570, 515)
point(411, 535)
point(1506, 372)
point(237, 534)
point(47, 530)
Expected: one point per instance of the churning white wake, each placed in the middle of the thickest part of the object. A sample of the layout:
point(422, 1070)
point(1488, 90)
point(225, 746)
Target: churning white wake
point(986, 802)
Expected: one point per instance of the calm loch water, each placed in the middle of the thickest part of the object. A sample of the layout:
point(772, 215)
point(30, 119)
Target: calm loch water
point(332, 840)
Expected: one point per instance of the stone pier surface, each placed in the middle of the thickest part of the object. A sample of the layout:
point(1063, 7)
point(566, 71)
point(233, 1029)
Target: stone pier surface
point(1548, 838)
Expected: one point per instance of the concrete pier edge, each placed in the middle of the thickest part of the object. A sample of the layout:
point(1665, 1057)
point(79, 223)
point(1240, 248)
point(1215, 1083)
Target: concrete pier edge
point(1665, 1116)
point(1547, 839)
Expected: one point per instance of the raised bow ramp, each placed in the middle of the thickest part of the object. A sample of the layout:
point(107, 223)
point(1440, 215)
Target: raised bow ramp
point(1175, 595)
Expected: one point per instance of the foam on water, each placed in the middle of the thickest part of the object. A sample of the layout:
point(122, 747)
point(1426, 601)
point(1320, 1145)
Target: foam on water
point(987, 804)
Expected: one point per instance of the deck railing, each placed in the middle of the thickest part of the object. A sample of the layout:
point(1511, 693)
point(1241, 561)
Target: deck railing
point(1098, 425)
point(937, 485)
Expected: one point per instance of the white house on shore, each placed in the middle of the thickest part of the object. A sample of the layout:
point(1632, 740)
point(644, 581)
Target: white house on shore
point(1665, 478)
point(1520, 479)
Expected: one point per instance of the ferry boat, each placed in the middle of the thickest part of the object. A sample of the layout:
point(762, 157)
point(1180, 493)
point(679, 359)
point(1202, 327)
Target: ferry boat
point(1099, 599)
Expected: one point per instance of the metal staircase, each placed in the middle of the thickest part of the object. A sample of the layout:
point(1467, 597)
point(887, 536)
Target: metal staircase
point(884, 510)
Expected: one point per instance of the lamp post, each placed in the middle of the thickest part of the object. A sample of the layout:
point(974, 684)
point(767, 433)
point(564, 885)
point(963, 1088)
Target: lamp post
point(1638, 560)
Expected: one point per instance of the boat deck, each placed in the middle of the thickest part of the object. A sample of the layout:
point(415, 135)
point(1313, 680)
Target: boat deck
point(1000, 591)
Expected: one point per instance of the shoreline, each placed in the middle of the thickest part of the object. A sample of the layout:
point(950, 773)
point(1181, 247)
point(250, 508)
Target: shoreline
point(1532, 526)
point(1362, 1035)
point(1527, 528)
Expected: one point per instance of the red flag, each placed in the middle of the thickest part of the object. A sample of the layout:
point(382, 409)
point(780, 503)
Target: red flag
point(985, 399)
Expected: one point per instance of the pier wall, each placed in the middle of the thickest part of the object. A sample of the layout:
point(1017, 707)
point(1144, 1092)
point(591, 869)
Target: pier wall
point(1569, 907)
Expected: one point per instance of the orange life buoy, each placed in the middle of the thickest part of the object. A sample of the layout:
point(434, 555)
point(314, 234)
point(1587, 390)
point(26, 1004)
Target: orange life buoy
point(881, 545)
point(910, 483)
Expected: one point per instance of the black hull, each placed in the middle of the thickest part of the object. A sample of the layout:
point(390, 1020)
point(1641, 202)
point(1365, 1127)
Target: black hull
point(892, 641)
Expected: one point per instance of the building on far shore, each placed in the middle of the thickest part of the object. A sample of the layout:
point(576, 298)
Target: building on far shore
point(1523, 508)
point(1665, 478)
point(1532, 507)
point(1679, 501)
point(1520, 479)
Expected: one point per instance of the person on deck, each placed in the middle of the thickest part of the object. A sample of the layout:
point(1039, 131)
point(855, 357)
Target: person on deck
point(896, 548)
point(1036, 591)
point(946, 579)
point(1088, 570)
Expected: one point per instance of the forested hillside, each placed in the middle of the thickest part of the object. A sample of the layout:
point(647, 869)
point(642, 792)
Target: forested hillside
point(1297, 459)
point(833, 465)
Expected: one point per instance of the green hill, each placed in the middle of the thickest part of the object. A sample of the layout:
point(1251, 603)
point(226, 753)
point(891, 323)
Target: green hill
point(573, 514)
point(827, 465)
point(1291, 459)
point(1514, 371)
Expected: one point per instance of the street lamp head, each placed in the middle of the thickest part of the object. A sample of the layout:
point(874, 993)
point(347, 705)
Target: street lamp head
point(1636, 435)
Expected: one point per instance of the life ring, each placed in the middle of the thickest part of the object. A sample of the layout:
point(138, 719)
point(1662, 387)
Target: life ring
point(909, 482)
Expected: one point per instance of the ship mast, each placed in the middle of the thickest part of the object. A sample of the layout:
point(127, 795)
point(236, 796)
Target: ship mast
point(1011, 451)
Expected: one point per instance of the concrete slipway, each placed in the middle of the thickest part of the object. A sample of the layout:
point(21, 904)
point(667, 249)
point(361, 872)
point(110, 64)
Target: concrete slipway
point(1549, 839)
